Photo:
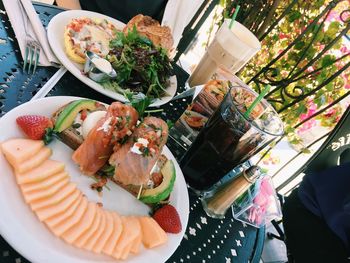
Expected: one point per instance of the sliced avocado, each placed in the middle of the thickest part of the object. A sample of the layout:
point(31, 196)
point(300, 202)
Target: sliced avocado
point(66, 117)
point(162, 191)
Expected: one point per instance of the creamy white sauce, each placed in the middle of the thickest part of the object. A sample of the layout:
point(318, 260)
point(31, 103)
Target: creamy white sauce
point(91, 121)
point(136, 149)
point(105, 126)
point(102, 64)
point(143, 141)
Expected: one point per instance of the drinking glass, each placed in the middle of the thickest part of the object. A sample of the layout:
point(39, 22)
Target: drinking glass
point(230, 49)
point(230, 138)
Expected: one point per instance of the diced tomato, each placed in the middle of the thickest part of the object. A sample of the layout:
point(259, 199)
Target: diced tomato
point(83, 115)
point(76, 26)
point(157, 179)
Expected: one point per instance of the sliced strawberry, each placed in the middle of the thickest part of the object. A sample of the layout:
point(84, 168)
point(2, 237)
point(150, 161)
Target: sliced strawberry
point(34, 126)
point(168, 219)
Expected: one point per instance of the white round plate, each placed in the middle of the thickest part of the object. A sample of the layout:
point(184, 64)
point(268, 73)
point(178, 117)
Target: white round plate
point(31, 238)
point(55, 33)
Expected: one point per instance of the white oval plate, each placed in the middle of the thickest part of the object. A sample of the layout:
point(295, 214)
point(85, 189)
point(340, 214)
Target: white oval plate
point(31, 238)
point(55, 34)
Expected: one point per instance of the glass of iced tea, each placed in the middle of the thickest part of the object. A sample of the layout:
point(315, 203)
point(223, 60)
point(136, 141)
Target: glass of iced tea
point(230, 49)
point(229, 138)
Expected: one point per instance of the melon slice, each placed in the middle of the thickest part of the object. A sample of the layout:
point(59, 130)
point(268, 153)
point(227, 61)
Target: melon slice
point(113, 239)
point(19, 150)
point(106, 234)
point(46, 183)
point(45, 170)
point(152, 234)
point(54, 199)
point(91, 243)
point(43, 154)
point(57, 214)
point(126, 251)
point(74, 219)
point(46, 193)
point(136, 245)
point(77, 230)
point(131, 231)
point(91, 230)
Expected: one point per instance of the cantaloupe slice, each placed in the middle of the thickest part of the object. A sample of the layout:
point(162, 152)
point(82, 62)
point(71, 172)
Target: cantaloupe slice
point(92, 241)
point(19, 150)
point(46, 193)
point(135, 248)
point(131, 231)
point(152, 234)
point(106, 234)
point(54, 199)
point(90, 231)
point(77, 230)
point(46, 183)
point(57, 214)
point(74, 219)
point(126, 251)
point(39, 173)
point(113, 239)
point(43, 154)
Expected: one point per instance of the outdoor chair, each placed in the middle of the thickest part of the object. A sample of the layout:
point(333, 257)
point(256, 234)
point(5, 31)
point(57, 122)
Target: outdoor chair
point(334, 151)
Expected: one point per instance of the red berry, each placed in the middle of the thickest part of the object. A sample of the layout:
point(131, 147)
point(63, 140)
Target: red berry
point(34, 126)
point(168, 219)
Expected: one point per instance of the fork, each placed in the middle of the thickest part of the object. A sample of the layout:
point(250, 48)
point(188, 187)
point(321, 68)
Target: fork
point(32, 47)
point(32, 54)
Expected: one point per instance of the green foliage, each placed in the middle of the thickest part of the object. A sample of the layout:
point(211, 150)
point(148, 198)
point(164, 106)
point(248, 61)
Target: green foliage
point(297, 61)
point(140, 66)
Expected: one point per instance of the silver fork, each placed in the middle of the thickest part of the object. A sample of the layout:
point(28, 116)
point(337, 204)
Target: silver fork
point(32, 54)
point(32, 47)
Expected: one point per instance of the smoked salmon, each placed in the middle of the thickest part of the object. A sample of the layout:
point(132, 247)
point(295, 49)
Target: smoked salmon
point(109, 132)
point(135, 159)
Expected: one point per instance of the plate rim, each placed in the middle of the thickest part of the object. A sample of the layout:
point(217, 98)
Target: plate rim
point(34, 257)
point(55, 41)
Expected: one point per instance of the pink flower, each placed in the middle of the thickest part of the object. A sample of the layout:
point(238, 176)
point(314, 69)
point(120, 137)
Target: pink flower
point(344, 50)
point(312, 108)
point(282, 36)
point(333, 16)
point(346, 78)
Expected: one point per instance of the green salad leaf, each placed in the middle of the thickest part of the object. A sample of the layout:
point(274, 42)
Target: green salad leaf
point(141, 67)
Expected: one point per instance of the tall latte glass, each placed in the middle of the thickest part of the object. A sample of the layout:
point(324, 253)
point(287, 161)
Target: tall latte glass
point(230, 49)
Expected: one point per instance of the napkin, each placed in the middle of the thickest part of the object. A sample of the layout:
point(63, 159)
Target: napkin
point(34, 28)
point(177, 15)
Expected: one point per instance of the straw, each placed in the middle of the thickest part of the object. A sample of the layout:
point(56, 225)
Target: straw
point(233, 18)
point(257, 100)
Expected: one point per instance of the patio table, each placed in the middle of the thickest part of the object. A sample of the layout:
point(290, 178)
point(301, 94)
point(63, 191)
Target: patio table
point(206, 239)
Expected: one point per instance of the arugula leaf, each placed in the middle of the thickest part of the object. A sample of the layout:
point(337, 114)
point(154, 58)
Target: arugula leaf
point(140, 66)
point(139, 101)
point(170, 124)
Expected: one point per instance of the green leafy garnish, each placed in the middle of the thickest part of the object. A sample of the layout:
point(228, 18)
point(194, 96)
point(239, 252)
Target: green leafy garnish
point(48, 136)
point(141, 67)
point(170, 124)
point(139, 101)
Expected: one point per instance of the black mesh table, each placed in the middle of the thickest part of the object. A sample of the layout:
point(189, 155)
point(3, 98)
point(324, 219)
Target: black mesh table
point(206, 239)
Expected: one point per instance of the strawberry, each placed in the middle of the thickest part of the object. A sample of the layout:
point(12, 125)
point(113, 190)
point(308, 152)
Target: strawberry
point(34, 126)
point(168, 219)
